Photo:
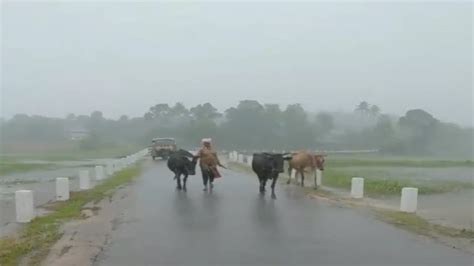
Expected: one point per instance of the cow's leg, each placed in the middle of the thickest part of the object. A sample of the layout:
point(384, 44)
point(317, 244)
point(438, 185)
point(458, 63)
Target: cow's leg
point(175, 174)
point(289, 175)
point(185, 179)
point(297, 173)
point(178, 181)
point(263, 181)
point(315, 178)
point(261, 188)
point(273, 187)
point(302, 178)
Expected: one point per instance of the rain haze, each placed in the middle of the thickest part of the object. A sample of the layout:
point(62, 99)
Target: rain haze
point(236, 133)
point(122, 58)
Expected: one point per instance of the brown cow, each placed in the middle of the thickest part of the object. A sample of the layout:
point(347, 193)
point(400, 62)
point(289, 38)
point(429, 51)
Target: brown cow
point(302, 160)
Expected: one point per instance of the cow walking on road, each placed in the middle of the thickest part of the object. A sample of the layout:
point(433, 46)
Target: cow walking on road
point(302, 160)
point(180, 163)
point(268, 166)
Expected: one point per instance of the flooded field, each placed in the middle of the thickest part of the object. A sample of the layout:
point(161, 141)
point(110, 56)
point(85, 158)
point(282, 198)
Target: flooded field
point(42, 182)
point(460, 174)
point(60, 169)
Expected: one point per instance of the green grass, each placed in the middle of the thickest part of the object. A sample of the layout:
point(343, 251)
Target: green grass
point(381, 162)
point(374, 186)
point(40, 234)
point(12, 166)
point(414, 223)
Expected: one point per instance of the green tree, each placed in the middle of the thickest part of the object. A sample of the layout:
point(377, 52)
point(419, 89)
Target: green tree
point(123, 119)
point(204, 111)
point(243, 124)
point(362, 108)
point(160, 111)
point(384, 135)
point(178, 110)
point(272, 124)
point(298, 131)
point(71, 117)
point(148, 116)
point(97, 115)
point(202, 124)
point(374, 110)
point(324, 124)
point(418, 128)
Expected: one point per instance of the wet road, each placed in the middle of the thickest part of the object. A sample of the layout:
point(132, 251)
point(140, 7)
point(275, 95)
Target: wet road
point(233, 225)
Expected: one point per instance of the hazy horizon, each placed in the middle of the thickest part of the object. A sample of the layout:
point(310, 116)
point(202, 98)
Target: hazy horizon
point(122, 58)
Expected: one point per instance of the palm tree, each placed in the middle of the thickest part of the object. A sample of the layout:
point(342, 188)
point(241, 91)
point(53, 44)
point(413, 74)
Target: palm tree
point(363, 107)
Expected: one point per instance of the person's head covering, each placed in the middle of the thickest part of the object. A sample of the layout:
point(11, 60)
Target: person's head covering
point(206, 142)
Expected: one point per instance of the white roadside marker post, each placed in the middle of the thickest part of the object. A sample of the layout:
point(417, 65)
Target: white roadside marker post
point(62, 188)
point(84, 180)
point(357, 187)
point(99, 172)
point(409, 200)
point(24, 206)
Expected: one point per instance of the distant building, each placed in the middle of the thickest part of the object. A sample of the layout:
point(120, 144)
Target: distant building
point(78, 133)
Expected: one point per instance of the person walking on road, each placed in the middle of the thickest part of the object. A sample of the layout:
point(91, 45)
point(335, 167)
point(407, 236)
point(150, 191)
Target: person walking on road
point(208, 161)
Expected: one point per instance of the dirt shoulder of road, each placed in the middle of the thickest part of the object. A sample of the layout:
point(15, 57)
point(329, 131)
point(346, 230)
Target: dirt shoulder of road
point(83, 240)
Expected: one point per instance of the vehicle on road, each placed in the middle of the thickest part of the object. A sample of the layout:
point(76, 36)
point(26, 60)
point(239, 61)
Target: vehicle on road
point(162, 147)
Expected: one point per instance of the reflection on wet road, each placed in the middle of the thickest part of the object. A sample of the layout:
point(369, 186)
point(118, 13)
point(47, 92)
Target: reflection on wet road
point(234, 225)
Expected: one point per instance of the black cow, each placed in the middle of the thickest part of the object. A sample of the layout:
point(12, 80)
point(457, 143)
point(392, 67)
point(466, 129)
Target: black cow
point(268, 166)
point(180, 164)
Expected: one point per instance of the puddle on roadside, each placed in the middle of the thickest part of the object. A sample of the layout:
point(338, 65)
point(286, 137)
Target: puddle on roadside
point(42, 182)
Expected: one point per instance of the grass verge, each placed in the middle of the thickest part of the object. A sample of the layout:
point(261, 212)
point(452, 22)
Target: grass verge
point(381, 186)
point(414, 223)
point(37, 237)
point(348, 162)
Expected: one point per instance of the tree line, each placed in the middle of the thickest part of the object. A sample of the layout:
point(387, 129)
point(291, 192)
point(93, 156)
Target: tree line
point(253, 125)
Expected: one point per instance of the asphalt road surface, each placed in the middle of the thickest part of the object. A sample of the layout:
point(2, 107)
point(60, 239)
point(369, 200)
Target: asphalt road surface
point(234, 225)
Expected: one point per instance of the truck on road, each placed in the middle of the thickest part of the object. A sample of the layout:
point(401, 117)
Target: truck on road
point(162, 147)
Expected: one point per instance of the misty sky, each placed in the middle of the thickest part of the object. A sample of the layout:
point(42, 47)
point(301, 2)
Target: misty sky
point(121, 58)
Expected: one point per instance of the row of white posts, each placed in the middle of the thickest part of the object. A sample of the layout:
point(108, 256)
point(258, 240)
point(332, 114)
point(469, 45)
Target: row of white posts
point(240, 158)
point(24, 202)
point(409, 197)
